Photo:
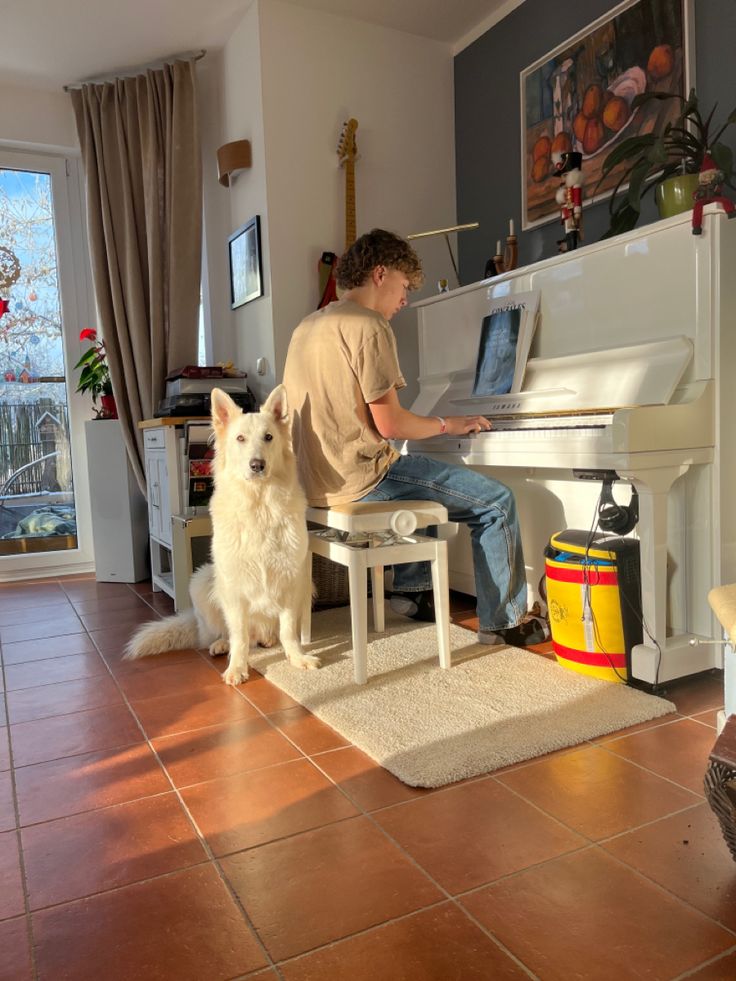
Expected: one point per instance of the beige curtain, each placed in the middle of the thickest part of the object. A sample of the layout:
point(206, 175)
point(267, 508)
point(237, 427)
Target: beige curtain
point(141, 155)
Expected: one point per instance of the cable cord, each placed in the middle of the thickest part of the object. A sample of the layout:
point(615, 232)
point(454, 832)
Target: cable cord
point(588, 599)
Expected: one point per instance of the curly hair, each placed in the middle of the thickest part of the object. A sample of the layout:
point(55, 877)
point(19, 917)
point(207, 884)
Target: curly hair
point(378, 248)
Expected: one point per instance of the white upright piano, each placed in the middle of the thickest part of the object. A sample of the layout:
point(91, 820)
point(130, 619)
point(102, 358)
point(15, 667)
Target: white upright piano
point(632, 369)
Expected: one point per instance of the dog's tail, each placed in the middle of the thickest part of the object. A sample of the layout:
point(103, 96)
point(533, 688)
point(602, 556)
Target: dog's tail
point(170, 634)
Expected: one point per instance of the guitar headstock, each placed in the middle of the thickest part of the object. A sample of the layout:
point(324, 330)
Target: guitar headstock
point(347, 148)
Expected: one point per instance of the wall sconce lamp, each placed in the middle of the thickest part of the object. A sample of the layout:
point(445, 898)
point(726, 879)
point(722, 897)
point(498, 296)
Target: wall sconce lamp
point(232, 158)
point(446, 232)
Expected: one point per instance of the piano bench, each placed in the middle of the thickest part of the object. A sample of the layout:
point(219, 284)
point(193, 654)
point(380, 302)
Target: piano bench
point(372, 535)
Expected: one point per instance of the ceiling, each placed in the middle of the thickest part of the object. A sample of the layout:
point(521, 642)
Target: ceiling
point(48, 43)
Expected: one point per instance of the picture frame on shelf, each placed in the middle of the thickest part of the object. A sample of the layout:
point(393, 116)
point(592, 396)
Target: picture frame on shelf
point(578, 97)
point(244, 256)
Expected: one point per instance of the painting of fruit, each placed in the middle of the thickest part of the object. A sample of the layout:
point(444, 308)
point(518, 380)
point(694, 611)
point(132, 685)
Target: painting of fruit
point(580, 97)
point(616, 113)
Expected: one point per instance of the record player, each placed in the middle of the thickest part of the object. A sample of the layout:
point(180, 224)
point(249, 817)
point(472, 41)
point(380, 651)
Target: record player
point(188, 394)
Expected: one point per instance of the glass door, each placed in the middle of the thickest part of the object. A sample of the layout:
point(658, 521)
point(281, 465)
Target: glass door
point(39, 505)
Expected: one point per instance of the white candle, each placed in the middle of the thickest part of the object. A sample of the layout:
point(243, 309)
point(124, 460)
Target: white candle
point(498, 247)
point(511, 226)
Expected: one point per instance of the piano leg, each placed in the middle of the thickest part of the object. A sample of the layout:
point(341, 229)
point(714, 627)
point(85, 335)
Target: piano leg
point(676, 657)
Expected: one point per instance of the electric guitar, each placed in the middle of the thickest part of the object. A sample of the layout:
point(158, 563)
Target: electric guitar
point(347, 152)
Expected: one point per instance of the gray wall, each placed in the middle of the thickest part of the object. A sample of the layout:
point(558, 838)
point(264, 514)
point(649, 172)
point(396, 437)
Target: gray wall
point(487, 118)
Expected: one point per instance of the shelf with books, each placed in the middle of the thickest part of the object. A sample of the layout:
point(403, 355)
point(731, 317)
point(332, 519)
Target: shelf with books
point(197, 471)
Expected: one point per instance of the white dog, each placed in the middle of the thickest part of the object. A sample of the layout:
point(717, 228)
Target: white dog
point(258, 575)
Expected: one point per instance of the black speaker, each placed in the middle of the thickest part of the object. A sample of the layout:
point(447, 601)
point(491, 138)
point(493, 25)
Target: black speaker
point(618, 518)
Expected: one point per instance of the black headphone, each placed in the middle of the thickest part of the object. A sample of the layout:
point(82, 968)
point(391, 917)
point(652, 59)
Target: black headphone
point(614, 517)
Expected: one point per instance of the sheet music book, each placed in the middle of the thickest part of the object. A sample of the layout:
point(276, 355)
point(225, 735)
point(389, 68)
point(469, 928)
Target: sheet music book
point(505, 339)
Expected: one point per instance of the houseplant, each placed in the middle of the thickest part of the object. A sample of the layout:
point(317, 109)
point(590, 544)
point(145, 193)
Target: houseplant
point(95, 376)
point(653, 160)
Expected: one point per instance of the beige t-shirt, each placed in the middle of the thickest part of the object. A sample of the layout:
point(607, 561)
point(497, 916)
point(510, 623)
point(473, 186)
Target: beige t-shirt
point(339, 359)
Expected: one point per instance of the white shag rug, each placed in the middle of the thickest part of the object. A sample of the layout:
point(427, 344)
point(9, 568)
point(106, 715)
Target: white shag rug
point(430, 727)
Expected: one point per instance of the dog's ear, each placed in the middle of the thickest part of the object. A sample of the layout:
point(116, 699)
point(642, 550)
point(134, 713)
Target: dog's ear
point(222, 409)
point(277, 405)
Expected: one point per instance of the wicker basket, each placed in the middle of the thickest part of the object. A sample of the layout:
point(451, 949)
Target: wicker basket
point(720, 783)
point(331, 582)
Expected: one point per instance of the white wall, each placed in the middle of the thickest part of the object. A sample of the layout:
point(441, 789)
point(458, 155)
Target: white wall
point(244, 334)
point(317, 70)
point(219, 319)
point(36, 119)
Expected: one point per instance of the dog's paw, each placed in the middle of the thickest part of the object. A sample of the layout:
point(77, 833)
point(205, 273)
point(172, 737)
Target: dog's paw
point(234, 676)
point(219, 646)
point(306, 661)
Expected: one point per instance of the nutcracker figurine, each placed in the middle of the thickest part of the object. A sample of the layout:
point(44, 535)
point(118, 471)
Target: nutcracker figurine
point(570, 198)
point(710, 191)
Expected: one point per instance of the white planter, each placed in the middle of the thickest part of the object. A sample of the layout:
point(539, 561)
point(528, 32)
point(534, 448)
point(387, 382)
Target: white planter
point(118, 508)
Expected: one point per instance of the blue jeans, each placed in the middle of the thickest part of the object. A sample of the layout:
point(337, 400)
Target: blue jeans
point(489, 509)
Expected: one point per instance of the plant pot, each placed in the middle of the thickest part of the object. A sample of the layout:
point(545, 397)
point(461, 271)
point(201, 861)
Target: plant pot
point(109, 410)
point(675, 194)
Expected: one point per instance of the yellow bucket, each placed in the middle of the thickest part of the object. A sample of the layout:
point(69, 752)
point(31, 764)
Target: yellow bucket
point(594, 610)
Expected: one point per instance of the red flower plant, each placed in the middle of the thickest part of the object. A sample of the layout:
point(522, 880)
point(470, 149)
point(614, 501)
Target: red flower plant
point(95, 376)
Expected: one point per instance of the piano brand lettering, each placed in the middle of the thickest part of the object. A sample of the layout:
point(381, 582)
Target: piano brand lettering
point(512, 306)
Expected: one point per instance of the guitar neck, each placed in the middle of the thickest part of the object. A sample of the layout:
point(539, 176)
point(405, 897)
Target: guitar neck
point(350, 225)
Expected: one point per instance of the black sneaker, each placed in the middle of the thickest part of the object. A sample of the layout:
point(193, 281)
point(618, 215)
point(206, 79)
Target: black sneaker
point(531, 630)
point(416, 606)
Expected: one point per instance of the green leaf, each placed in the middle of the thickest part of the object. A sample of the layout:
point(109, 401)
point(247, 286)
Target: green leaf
point(623, 220)
point(657, 155)
point(723, 156)
point(636, 180)
point(628, 149)
point(729, 122)
point(690, 104)
point(613, 203)
point(644, 97)
point(709, 118)
point(87, 356)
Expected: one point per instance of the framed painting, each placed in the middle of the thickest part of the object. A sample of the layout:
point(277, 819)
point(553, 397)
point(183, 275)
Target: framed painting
point(578, 97)
point(244, 245)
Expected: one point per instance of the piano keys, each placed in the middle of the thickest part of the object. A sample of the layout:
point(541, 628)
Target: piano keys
point(628, 371)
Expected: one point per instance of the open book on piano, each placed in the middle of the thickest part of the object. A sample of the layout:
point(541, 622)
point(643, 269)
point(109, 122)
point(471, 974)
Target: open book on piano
point(506, 333)
point(631, 370)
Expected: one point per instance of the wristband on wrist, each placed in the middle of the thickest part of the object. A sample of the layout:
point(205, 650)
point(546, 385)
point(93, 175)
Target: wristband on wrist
point(443, 424)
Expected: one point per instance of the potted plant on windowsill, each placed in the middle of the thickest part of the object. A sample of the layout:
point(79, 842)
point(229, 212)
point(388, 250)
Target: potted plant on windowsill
point(666, 162)
point(95, 376)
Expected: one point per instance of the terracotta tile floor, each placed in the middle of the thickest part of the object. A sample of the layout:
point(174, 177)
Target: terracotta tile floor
point(155, 824)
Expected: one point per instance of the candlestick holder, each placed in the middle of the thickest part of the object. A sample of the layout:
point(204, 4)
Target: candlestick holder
point(507, 260)
point(511, 253)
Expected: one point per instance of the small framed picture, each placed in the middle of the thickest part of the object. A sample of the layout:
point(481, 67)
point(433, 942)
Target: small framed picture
point(244, 246)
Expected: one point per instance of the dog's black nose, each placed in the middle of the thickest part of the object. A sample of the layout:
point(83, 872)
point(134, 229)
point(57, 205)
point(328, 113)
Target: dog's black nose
point(257, 465)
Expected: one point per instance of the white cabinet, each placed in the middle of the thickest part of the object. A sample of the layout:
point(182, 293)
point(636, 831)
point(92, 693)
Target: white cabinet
point(167, 479)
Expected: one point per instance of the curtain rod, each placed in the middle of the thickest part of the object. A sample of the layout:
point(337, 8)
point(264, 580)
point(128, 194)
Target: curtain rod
point(129, 72)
